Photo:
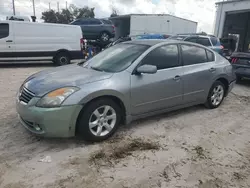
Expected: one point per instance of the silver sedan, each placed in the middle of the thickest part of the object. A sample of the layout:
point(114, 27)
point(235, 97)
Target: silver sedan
point(123, 83)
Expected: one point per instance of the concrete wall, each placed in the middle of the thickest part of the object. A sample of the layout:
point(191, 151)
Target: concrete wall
point(223, 9)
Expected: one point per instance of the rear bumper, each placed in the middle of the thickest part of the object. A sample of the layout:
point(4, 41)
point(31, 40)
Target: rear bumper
point(243, 72)
point(112, 35)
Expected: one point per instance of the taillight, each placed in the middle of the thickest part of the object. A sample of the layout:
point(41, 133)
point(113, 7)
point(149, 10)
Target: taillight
point(82, 43)
point(234, 60)
point(113, 28)
point(221, 47)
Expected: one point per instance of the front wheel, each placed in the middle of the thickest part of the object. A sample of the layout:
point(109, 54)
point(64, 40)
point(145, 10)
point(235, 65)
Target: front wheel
point(99, 120)
point(216, 95)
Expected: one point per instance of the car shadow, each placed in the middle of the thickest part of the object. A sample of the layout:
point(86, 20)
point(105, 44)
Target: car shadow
point(165, 116)
point(244, 82)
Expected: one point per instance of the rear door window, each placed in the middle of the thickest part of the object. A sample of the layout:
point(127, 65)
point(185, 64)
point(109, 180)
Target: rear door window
point(84, 22)
point(4, 30)
point(192, 39)
point(94, 22)
point(210, 56)
point(204, 41)
point(193, 55)
point(107, 22)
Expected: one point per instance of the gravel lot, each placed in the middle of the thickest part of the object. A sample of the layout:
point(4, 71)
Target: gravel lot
point(194, 147)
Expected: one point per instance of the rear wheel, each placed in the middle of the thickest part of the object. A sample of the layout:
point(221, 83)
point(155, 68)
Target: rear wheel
point(104, 37)
point(62, 58)
point(216, 95)
point(99, 120)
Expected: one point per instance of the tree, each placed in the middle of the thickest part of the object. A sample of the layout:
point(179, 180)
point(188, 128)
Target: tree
point(114, 12)
point(84, 12)
point(68, 15)
point(49, 16)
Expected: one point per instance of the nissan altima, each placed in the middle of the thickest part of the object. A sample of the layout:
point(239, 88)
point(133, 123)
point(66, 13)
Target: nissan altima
point(123, 83)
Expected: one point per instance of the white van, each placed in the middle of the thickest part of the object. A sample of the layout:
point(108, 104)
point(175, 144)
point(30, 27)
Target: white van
point(29, 41)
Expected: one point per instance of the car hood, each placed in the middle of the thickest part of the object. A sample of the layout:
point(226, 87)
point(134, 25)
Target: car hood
point(71, 75)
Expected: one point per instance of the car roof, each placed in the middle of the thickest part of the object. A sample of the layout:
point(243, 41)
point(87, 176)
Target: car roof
point(151, 42)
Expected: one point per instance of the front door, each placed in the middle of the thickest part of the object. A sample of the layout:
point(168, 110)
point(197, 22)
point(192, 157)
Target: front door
point(7, 43)
point(152, 92)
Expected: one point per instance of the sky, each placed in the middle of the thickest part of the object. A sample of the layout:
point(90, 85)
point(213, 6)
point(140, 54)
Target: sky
point(201, 11)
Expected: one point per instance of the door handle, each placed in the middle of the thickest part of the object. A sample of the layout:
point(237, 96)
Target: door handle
point(212, 69)
point(9, 40)
point(176, 78)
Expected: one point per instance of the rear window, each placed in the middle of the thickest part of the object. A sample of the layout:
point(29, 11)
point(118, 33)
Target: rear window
point(4, 30)
point(214, 41)
point(203, 41)
point(107, 22)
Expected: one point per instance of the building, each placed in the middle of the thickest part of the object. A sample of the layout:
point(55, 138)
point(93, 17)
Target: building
point(137, 24)
point(233, 19)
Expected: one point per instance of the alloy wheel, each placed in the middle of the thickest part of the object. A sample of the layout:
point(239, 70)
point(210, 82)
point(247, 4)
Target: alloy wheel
point(102, 120)
point(217, 95)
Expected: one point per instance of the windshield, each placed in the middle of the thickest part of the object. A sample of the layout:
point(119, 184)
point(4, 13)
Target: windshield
point(116, 58)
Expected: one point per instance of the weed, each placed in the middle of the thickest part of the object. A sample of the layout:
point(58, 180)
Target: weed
point(200, 152)
point(117, 151)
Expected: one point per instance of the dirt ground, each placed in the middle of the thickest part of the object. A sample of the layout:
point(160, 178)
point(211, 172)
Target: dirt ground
point(194, 147)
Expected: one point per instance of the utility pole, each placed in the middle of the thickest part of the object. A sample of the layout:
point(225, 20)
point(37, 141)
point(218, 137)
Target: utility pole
point(14, 10)
point(66, 5)
point(34, 9)
point(57, 6)
point(49, 5)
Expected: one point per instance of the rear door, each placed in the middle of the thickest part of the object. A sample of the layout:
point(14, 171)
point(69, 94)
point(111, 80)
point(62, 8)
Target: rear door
point(198, 72)
point(96, 27)
point(7, 43)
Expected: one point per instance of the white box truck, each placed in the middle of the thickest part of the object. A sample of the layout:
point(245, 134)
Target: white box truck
point(137, 24)
point(30, 41)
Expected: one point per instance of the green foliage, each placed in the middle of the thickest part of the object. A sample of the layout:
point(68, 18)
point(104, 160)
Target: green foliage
point(68, 15)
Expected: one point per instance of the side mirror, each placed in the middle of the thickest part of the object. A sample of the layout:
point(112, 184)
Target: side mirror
point(147, 69)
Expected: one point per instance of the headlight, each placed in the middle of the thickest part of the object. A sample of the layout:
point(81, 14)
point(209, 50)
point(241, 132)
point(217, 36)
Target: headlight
point(55, 98)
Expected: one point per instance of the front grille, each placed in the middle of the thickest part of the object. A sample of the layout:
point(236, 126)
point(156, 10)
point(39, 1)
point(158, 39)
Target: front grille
point(25, 95)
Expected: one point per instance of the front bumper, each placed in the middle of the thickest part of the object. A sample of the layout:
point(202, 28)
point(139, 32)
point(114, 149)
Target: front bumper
point(48, 122)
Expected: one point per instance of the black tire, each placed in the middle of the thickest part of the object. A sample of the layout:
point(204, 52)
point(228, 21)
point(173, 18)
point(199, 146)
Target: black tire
point(62, 58)
point(209, 104)
point(238, 78)
point(83, 130)
point(104, 37)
